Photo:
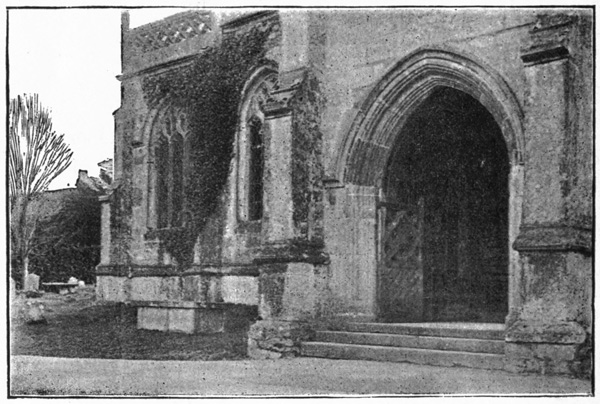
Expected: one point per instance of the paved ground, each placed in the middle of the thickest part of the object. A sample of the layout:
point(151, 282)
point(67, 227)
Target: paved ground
point(31, 375)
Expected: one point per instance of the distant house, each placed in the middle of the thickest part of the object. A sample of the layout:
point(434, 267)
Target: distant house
point(106, 170)
point(67, 236)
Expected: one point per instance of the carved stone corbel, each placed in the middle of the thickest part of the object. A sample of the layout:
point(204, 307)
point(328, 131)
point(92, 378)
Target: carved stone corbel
point(548, 39)
point(279, 102)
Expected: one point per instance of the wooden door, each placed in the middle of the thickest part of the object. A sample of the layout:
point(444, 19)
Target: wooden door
point(400, 274)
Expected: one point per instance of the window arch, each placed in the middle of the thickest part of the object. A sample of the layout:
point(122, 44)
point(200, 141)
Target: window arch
point(251, 149)
point(170, 132)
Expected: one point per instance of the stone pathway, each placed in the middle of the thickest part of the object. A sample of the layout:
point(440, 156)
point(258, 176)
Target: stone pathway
point(30, 375)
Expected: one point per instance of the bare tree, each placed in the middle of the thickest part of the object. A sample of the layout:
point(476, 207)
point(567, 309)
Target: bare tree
point(37, 155)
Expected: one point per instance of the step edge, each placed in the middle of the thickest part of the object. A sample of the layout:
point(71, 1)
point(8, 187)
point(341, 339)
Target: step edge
point(414, 341)
point(411, 335)
point(424, 331)
point(341, 345)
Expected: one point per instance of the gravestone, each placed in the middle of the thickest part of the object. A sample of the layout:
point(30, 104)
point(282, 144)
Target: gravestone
point(32, 283)
point(34, 313)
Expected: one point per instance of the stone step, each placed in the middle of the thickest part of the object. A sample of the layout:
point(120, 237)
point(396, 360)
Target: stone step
point(413, 341)
point(489, 331)
point(396, 354)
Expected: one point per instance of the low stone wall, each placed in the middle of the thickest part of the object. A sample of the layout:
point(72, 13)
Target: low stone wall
point(206, 301)
point(205, 285)
point(191, 318)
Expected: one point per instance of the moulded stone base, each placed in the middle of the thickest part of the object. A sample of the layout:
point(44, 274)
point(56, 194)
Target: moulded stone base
point(547, 348)
point(195, 320)
point(546, 359)
point(272, 339)
point(566, 332)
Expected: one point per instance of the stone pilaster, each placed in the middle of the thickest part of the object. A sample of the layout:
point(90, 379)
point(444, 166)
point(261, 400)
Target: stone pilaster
point(549, 330)
point(290, 294)
point(287, 285)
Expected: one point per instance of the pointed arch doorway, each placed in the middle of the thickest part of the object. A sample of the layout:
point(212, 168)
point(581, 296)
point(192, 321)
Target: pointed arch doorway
point(440, 139)
point(444, 215)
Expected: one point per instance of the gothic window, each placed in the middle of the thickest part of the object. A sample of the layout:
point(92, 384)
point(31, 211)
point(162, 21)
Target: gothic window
point(162, 186)
point(170, 158)
point(256, 163)
point(251, 148)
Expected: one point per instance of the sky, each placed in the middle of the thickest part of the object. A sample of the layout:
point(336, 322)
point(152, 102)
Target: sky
point(71, 58)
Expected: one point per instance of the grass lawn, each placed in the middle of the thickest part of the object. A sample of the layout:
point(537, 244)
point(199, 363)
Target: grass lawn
point(79, 327)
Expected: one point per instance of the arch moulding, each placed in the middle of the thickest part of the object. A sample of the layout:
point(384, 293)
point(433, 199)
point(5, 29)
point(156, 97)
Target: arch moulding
point(366, 148)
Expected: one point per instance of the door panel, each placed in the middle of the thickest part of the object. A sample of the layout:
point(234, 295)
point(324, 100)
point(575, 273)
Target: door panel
point(400, 280)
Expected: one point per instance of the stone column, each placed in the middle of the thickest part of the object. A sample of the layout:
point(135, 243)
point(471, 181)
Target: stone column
point(351, 237)
point(549, 330)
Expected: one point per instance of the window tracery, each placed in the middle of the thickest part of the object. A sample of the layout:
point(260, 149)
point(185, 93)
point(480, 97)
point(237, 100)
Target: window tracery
point(170, 160)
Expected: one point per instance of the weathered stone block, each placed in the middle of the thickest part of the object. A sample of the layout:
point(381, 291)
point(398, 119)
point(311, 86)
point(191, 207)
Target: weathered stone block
point(540, 358)
point(300, 296)
point(112, 288)
point(153, 318)
point(271, 290)
point(192, 318)
point(146, 289)
point(192, 288)
point(239, 290)
point(554, 333)
point(210, 321)
point(557, 287)
point(170, 289)
point(212, 285)
point(269, 339)
point(182, 320)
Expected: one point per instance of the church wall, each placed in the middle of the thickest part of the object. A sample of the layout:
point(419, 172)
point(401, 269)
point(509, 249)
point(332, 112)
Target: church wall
point(355, 63)
point(314, 255)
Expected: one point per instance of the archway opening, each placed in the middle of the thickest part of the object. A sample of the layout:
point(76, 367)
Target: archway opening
point(446, 215)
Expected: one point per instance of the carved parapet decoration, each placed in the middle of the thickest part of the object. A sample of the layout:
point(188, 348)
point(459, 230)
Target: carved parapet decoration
point(548, 39)
point(262, 20)
point(171, 30)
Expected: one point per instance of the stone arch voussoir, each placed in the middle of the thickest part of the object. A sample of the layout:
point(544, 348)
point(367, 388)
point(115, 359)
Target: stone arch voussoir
point(366, 148)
